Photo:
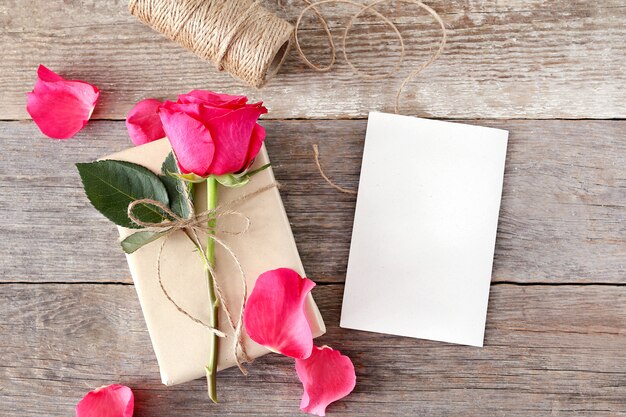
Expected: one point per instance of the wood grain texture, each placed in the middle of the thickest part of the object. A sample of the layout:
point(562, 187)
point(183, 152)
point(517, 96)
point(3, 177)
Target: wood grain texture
point(556, 326)
point(563, 215)
point(548, 351)
point(517, 59)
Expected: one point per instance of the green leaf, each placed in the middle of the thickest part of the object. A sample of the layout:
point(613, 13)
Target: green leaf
point(112, 185)
point(232, 180)
point(256, 171)
point(138, 239)
point(177, 189)
point(238, 180)
point(191, 177)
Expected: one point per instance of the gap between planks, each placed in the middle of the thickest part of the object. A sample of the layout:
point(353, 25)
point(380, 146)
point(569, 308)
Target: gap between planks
point(327, 283)
point(359, 118)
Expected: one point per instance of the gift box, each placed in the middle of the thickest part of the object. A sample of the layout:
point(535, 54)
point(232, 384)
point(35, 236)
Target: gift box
point(181, 345)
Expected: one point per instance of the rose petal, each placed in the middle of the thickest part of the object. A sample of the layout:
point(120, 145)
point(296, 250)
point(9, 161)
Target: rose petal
point(274, 315)
point(213, 99)
point(326, 376)
point(256, 141)
point(59, 107)
point(194, 156)
point(232, 134)
point(109, 401)
point(259, 106)
point(47, 75)
point(200, 112)
point(143, 122)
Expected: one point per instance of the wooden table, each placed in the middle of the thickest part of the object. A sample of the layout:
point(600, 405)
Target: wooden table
point(551, 72)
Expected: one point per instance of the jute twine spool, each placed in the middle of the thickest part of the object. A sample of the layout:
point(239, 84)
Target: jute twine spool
point(237, 36)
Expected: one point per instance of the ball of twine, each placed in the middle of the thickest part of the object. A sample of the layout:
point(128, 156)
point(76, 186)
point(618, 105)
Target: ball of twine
point(237, 36)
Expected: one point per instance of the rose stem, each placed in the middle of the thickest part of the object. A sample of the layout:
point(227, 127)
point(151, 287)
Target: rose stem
point(211, 369)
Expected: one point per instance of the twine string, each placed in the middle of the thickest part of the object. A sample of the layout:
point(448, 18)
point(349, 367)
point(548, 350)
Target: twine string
point(192, 226)
point(316, 156)
point(363, 8)
point(228, 37)
point(193, 318)
point(250, 42)
point(239, 349)
point(331, 43)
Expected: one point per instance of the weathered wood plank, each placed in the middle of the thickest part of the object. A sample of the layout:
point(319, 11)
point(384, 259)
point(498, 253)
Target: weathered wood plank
point(522, 59)
point(563, 216)
point(548, 351)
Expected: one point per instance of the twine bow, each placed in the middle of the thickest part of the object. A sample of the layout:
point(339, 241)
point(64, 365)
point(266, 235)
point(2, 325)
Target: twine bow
point(191, 227)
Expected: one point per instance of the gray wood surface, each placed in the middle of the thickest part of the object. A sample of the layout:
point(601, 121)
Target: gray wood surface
point(513, 59)
point(556, 326)
point(563, 215)
point(555, 350)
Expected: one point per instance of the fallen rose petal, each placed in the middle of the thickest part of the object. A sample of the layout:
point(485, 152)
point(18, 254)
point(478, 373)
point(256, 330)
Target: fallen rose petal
point(59, 107)
point(143, 122)
point(47, 75)
point(108, 401)
point(192, 155)
point(326, 376)
point(274, 315)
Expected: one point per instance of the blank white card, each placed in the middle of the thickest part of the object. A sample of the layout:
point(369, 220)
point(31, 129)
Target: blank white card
point(425, 229)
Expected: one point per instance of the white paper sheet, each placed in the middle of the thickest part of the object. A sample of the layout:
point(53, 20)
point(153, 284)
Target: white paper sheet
point(424, 229)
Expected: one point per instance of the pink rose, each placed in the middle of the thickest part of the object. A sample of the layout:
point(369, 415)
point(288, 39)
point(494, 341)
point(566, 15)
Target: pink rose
point(213, 134)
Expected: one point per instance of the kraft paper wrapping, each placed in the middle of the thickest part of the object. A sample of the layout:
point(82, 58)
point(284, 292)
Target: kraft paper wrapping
point(182, 346)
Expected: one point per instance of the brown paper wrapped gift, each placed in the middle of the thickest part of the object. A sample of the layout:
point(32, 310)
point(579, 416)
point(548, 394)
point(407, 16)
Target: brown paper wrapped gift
point(181, 345)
